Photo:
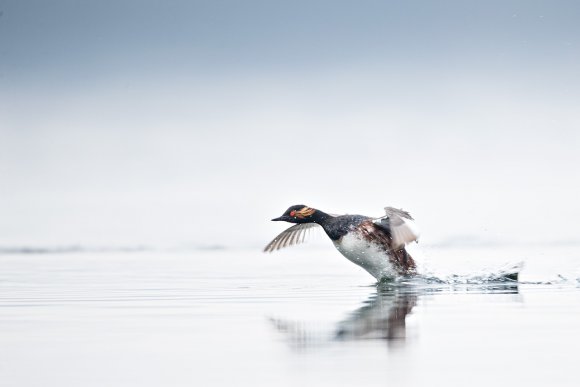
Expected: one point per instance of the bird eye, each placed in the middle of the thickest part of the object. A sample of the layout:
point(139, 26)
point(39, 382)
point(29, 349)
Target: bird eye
point(292, 213)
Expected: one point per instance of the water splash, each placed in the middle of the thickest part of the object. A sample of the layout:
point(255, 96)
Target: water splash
point(506, 274)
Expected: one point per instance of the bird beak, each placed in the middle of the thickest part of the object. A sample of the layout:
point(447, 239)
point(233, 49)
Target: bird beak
point(278, 219)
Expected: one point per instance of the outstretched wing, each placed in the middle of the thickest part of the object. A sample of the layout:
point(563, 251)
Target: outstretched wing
point(291, 236)
point(401, 226)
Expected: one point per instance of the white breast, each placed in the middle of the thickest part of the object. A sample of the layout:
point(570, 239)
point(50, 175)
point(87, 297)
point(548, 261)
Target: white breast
point(367, 255)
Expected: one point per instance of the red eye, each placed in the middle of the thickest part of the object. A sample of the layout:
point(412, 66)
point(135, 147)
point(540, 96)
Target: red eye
point(292, 213)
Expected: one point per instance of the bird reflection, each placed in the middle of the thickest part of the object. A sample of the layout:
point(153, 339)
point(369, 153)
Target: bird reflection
point(383, 316)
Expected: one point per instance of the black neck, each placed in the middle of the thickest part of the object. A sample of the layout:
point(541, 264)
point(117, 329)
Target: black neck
point(319, 217)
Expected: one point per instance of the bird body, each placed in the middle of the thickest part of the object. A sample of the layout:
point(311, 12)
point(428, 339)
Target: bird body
point(375, 244)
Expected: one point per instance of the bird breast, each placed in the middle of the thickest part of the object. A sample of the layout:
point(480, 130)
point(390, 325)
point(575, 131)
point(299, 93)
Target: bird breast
point(367, 254)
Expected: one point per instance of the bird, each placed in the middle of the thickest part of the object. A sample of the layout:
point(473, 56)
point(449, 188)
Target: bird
point(375, 244)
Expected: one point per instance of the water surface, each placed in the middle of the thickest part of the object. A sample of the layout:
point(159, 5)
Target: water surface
point(302, 317)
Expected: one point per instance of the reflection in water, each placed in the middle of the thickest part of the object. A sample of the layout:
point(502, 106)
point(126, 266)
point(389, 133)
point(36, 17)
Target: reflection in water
point(383, 315)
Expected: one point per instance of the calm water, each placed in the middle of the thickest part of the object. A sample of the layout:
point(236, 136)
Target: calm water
point(303, 317)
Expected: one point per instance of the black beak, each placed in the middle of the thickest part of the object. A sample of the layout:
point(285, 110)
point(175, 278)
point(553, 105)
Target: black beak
point(279, 219)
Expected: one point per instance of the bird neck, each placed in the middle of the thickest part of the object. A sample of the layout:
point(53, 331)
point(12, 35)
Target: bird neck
point(319, 217)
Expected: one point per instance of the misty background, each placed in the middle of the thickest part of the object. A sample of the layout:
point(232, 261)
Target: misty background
point(192, 123)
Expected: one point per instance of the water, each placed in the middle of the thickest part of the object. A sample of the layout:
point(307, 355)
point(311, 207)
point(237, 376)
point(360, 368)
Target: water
point(302, 317)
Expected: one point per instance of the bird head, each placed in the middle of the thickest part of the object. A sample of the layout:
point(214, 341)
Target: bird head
point(297, 214)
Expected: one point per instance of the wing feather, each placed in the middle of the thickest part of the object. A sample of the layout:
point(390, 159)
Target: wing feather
point(401, 226)
point(294, 235)
point(287, 241)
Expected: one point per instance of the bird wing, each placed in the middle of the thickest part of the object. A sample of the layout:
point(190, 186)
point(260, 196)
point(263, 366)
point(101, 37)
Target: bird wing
point(401, 226)
point(291, 236)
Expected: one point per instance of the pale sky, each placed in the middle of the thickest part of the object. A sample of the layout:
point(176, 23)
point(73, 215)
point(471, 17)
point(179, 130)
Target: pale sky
point(194, 123)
